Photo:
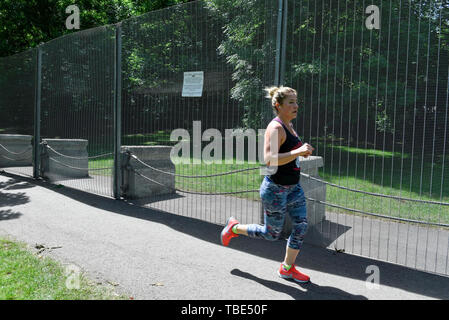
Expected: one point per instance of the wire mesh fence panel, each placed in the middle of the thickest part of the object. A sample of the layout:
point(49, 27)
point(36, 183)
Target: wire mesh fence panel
point(194, 74)
point(17, 98)
point(180, 91)
point(77, 123)
point(373, 82)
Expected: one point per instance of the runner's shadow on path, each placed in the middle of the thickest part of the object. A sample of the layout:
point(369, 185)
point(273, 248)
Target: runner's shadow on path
point(311, 257)
point(311, 291)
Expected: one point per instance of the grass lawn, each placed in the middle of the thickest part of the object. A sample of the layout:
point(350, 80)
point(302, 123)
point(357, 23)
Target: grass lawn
point(389, 173)
point(106, 162)
point(368, 170)
point(241, 181)
point(26, 276)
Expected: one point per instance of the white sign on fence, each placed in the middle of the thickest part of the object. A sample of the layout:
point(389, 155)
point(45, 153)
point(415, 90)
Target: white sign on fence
point(193, 84)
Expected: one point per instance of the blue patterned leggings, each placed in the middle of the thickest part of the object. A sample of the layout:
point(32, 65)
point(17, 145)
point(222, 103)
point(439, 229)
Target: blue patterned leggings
point(277, 201)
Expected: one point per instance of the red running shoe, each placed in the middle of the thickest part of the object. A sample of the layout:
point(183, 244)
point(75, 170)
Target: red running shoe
point(227, 234)
point(293, 274)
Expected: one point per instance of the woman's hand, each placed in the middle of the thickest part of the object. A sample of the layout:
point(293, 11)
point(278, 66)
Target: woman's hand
point(305, 150)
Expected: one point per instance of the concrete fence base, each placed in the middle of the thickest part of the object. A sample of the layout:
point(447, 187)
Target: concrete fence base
point(18, 153)
point(312, 189)
point(136, 187)
point(68, 159)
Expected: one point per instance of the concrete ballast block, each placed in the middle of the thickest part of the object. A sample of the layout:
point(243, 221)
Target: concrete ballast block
point(312, 189)
point(158, 157)
point(15, 150)
point(65, 158)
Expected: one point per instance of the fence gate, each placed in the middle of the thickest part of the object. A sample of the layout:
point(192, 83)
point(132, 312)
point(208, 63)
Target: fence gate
point(77, 110)
point(17, 100)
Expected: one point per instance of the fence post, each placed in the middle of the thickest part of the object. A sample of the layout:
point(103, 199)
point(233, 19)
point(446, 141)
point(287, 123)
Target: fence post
point(279, 68)
point(281, 39)
point(283, 43)
point(37, 115)
point(117, 111)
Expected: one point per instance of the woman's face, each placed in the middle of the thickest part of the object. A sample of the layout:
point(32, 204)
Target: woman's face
point(289, 107)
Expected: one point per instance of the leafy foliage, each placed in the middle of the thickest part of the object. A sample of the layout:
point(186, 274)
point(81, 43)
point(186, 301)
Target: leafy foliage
point(353, 83)
point(27, 23)
point(361, 84)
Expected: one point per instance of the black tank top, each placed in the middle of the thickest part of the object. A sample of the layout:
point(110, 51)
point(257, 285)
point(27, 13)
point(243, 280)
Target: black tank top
point(289, 173)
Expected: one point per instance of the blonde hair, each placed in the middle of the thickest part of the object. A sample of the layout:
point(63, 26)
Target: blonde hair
point(277, 95)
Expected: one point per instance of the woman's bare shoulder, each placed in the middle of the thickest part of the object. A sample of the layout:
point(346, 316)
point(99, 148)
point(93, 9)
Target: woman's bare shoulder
point(275, 126)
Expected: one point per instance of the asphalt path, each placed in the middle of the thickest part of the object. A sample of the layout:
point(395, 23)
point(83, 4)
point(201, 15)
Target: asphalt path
point(150, 254)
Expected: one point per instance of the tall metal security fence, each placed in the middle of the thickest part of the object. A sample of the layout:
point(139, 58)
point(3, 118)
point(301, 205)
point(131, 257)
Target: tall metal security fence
point(160, 51)
point(77, 110)
point(17, 99)
point(167, 110)
point(373, 83)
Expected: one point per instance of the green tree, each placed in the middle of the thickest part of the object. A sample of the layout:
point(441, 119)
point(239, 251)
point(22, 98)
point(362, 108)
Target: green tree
point(72, 84)
point(353, 83)
point(28, 23)
point(249, 47)
point(367, 84)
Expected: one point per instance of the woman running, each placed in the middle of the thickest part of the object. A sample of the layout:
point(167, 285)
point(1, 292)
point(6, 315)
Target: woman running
point(280, 191)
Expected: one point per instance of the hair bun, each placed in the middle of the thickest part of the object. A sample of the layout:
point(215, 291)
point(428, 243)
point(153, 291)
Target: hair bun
point(277, 95)
point(271, 91)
